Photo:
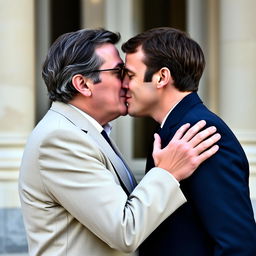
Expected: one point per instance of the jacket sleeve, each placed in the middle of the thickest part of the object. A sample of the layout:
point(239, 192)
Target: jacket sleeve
point(79, 178)
point(219, 192)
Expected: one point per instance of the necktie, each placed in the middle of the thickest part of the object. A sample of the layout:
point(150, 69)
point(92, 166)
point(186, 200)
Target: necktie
point(104, 134)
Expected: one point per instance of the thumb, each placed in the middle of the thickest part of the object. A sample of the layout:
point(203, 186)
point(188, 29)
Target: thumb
point(157, 144)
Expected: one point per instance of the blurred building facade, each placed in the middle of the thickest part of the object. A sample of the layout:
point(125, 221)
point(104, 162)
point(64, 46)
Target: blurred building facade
point(224, 29)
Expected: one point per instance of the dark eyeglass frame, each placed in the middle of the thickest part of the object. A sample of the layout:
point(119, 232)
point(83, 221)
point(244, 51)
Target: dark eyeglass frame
point(120, 69)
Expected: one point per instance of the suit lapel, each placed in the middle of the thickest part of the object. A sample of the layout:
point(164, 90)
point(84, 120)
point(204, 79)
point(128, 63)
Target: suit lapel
point(181, 109)
point(124, 162)
point(174, 119)
point(177, 114)
point(80, 121)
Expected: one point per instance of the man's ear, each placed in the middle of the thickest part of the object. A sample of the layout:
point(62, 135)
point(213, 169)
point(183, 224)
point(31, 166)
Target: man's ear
point(164, 77)
point(82, 84)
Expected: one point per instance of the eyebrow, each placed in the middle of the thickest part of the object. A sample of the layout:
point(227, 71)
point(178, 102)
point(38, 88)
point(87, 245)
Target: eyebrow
point(128, 70)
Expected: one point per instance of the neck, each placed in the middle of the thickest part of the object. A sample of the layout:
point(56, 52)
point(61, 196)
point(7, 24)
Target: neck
point(167, 103)
point(86, 107)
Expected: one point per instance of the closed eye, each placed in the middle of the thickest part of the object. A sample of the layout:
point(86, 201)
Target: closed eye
point(130, 74)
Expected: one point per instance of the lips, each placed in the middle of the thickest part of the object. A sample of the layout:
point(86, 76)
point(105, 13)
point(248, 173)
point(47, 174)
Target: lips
point(123, 93)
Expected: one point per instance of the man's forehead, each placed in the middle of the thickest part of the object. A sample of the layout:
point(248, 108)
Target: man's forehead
point(134, 59)
point(138, 55)
point(107, 49)
point(109, 54)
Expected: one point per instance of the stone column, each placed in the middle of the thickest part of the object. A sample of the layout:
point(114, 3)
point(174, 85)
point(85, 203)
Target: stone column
point(197, 29)
point(237, 91)
point(16, 110)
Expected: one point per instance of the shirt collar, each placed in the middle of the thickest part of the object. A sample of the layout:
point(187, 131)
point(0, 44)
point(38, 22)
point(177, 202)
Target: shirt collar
point(99, 128)
point(169, 112)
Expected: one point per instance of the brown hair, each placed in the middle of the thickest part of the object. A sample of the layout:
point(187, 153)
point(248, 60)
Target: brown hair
point(171, 48)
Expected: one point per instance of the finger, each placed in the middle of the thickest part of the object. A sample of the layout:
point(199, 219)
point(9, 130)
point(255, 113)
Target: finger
point(198, 138)
point(207, 143)
point(208, 153)
point(193, 130)
point(157, 143)
point(180, 132)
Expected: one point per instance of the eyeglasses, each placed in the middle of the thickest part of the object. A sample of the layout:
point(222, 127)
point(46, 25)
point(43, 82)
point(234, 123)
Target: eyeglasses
point(120, 71)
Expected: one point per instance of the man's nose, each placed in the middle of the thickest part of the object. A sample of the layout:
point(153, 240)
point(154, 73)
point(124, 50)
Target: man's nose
point(125, 82)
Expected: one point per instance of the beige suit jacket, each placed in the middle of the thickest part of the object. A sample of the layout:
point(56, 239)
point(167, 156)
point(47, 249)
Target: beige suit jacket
point(71, 198)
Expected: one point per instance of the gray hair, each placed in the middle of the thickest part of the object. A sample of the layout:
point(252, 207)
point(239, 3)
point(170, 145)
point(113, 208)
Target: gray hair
point(74, 53)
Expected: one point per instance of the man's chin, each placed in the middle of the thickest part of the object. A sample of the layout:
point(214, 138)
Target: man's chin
point(130, 113)
point(124, 112)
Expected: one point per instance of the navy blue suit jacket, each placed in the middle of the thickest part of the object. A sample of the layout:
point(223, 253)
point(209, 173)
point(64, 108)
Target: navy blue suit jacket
point(218, 217)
